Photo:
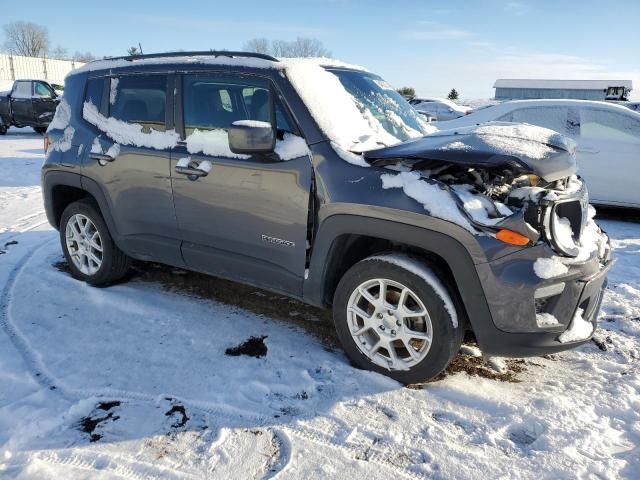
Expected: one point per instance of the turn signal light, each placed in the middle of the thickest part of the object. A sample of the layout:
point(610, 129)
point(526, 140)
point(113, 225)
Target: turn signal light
point(46, 143)
point(511, 237)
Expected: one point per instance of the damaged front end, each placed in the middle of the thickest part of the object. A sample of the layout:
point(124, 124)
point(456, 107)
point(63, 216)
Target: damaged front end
point(514, 182)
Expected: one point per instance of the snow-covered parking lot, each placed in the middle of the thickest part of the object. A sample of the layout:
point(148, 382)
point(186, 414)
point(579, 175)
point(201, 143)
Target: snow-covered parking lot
point(173, 375)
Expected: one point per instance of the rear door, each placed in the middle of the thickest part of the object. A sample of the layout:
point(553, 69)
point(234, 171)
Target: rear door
point(134, 173)
point(609, 155)
point(21, 102)
point(247, 218)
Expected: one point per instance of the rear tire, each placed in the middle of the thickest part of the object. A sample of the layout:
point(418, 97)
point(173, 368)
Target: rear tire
point(40, 130)
point(90, 251)
point(394, 337)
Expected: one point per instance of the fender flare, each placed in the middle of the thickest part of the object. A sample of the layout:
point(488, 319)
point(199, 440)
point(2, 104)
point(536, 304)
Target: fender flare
point(451, 250)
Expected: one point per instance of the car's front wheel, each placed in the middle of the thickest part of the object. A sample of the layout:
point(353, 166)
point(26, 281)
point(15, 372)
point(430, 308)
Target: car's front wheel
point(88, 247)
point(394, 316)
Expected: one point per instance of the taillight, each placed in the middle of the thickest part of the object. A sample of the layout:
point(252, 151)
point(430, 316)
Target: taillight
point(47, 142)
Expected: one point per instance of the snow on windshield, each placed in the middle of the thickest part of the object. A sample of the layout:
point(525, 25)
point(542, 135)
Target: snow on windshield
point(357, 110)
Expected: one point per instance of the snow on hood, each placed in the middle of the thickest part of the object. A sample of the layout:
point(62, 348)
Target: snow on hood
point(526, 148)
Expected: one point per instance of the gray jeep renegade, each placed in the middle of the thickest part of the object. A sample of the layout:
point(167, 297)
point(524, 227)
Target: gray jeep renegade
point(315, 179)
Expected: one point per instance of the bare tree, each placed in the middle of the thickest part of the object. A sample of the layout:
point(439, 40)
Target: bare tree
point(59, 53)
point(258, 45)
point(84, 57)
point(26, 38)
point(300, 47)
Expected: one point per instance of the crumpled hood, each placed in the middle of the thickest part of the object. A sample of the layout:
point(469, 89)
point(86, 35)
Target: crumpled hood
point(521, 147)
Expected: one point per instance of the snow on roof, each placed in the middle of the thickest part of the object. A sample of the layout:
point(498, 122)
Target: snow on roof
point(573, 84)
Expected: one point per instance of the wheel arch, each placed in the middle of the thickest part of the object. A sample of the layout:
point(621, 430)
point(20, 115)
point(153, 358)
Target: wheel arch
point(344, 240)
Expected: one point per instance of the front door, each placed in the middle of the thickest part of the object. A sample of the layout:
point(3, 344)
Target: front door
point(43, 103)
point(130, 160)
point(246, 219)
point(608, 156)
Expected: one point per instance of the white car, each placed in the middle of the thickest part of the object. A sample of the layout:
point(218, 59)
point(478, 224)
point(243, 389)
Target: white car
point(439, 108)
point(607, 137)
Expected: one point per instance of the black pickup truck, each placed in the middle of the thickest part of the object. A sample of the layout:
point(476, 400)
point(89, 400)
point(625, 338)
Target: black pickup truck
point(30, 103)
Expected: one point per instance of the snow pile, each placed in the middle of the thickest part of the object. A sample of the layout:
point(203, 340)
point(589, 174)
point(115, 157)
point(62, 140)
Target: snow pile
point(549, 267)
point(252, 123)
point(438, 202)
point(291, 146)
point(563, 231)
point(457, 145)
point(519, 140)
point(414, 266)
point(113, 90)
point(546, 320)
point(95, 146)
point(65, 142)
point(62, 117)
point(478, 206)
point(579, 329)
point(212, 142)
point(129, 133)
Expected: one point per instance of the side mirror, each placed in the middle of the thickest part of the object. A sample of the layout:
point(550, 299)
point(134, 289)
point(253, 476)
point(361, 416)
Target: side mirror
point(251, 136)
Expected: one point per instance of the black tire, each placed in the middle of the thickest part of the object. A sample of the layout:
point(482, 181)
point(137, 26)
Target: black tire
point(447, 338)
point(3, 128)
point(40, 130)
point(115, 263)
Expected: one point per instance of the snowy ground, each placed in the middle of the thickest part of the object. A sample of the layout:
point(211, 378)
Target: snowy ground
point(133, 381)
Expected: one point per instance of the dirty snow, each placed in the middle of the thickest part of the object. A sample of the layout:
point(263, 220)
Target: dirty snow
point(160, 399)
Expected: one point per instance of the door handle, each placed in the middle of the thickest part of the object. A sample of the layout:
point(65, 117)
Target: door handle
point(101, 157)
point(186, 167)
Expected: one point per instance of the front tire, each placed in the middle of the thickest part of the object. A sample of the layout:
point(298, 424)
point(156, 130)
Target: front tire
point(88, 247)
point(394, 316)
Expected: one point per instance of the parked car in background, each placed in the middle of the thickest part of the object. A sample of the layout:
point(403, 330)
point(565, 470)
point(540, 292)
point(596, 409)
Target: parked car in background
point(29, 103)
point(439, 108)
point(635, 106)
point(607, 136)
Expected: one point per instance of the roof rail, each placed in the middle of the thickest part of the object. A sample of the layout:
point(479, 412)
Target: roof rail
point(211, 53)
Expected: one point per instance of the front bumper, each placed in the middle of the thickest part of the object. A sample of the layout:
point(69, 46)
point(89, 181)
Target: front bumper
point(511, 287)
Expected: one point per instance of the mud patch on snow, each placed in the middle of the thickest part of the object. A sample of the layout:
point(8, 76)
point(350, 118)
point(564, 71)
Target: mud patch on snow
point(90, 423)
point(180, 414)
point(253, 347)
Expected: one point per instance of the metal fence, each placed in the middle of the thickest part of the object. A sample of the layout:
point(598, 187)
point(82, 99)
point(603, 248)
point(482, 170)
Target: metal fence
point(16, 67)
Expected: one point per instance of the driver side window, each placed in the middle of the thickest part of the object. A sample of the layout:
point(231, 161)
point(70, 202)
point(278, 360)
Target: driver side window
point(41, 90)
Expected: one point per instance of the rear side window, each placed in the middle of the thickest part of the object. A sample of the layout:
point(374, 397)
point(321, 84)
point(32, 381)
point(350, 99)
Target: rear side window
point(139, 99)
point(22, 90)
point(94, 92)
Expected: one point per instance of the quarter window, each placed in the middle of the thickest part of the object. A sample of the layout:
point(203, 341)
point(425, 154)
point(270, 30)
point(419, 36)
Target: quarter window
point(140, 99)
point(95, 91)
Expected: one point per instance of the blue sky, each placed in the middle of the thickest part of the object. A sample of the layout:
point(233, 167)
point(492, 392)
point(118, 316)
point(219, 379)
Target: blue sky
point(431, 45)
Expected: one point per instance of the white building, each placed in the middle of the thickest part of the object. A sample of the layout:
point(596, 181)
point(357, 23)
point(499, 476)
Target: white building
point(525, 89)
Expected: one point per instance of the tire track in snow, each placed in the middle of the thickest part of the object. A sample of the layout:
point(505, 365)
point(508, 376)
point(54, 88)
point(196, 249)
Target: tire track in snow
point(47, 380)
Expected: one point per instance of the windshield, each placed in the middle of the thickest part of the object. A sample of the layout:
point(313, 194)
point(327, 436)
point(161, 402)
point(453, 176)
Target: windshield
point(382, 106)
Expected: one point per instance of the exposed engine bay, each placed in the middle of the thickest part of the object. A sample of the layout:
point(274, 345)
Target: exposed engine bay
point(505, 177)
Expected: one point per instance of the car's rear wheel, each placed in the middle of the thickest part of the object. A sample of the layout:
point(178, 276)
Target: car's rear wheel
point(88, 247)
point(394, 316)
point(40, 130)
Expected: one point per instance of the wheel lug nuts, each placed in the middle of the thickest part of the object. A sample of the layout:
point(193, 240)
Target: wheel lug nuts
point(389, 312)
point(382, 327)
point(379, 315)
point(398, 323)
point(393, 333)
